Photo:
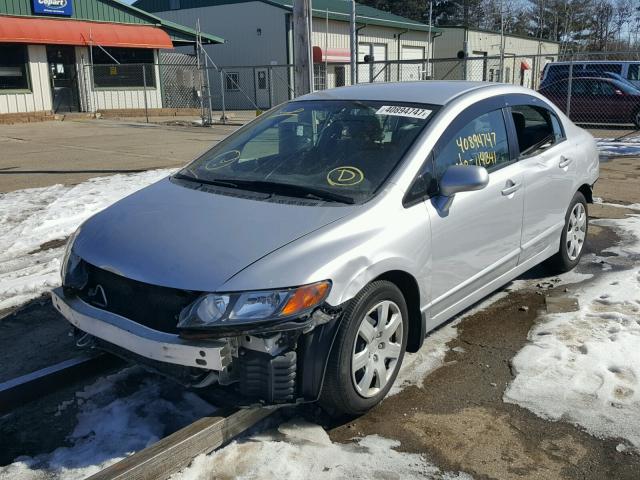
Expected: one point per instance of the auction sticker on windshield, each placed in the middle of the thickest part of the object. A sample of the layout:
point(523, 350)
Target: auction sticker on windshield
point(399, 111)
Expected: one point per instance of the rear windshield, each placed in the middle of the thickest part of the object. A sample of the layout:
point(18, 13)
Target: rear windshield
point(346, 148)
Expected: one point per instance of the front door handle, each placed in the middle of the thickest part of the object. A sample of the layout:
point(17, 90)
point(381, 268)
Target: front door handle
point(565, 162)
point(511, 188)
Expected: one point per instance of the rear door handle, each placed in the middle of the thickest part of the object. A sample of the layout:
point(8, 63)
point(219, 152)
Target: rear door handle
point(512, 187)
point(565, 162)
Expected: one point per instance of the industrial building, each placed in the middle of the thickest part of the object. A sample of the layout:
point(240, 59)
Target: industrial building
point(59, 56)
point(260, 33)
point(522, 63)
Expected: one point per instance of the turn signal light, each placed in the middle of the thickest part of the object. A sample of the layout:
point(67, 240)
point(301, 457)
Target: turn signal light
point(305, 297)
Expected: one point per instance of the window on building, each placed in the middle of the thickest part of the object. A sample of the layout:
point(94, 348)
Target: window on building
point(123, 67)
point(232, 81)
point(262, 79)
point(319, 76)
point(14, 60)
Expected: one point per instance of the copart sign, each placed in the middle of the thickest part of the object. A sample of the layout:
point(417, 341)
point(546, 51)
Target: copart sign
point(53, 7)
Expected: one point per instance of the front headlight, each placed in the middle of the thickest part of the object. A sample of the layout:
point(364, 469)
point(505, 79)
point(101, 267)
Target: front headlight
point(228, 309)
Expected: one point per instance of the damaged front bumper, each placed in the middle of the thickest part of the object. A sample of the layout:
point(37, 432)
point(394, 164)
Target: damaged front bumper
point(141, 340)
point(281, 364)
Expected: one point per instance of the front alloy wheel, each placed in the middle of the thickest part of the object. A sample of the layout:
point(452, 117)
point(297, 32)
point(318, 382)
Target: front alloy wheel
point(368, 350)
point(377, 348)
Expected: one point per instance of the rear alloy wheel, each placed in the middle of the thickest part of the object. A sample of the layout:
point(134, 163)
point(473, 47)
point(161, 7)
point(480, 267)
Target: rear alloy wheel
point(574, 235)
point(576, 231)
point(368, 350)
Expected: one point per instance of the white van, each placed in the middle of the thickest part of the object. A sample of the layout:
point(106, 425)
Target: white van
point(629, 70)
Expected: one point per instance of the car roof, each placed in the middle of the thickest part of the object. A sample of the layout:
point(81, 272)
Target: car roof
point(587, 62)
point(434, 92)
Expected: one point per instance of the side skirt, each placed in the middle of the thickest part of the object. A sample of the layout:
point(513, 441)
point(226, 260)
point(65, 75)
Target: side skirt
point(440, 318)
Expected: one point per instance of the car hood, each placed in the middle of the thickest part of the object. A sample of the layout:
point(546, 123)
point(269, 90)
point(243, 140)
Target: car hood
point(173, 236)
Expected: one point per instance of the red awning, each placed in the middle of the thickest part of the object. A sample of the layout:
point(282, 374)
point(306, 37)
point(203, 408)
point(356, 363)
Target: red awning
point(75, 32)
point(331, 55)
point(524, 65)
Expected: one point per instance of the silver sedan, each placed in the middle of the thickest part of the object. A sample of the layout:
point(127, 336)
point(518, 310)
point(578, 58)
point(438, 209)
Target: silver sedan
point(301, 257)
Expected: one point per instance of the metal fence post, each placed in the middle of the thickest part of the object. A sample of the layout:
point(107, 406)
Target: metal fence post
point(255, 88)
point(224, 114)
point(270, 80)
point(144, 83)
point(569, 85)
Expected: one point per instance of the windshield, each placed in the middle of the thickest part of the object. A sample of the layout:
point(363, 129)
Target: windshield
point(335, 150)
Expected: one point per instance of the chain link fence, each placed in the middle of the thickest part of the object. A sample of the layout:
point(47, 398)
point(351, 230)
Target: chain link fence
point(599, 89)
point(594, 89)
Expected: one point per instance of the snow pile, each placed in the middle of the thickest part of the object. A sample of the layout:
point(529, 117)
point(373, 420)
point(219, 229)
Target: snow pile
point(30, 218)
point(610, 147)
point(112, 426)
point(302, 450)
point(584, 367)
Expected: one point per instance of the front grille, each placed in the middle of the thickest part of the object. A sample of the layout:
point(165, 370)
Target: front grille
point(150, 305)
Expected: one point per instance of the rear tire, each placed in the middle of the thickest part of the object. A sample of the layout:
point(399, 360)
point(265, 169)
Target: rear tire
point(574, 235)
point(368, 350)
point(636, 119)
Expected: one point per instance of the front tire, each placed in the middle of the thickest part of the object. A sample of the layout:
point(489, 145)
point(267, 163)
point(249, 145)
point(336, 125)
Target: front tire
point(368, 350)
point(574, 234)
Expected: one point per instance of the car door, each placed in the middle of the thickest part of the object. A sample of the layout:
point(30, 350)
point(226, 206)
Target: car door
point(549, 166)
point(478, 239)
point(610, 103)
point(582, 104)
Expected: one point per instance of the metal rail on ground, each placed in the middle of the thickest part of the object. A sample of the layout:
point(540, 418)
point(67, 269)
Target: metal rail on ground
point(176, 451)
point(23, 389)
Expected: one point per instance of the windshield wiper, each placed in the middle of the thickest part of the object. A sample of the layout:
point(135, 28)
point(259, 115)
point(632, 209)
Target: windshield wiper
point(206, 181)
point(289, 189)
point(537, 145)
point(273, 188)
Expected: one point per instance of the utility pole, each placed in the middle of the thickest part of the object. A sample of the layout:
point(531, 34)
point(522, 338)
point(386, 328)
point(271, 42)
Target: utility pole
point(430, 45)
point(302, 47)
point(354, 44)
point(501, 41)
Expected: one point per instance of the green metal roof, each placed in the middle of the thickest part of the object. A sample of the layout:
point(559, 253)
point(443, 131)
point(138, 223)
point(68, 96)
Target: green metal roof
point(113, 11)
point(338, 10)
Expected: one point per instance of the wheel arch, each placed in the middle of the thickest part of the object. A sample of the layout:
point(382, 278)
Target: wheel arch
point(587, 191)
point(411, 292)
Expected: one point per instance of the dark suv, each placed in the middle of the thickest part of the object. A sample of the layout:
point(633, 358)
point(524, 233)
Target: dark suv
point(596, 100)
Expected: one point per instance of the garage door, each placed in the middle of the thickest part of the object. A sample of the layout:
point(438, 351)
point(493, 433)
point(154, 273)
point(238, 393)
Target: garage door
point(414, 70)
point(373, 72)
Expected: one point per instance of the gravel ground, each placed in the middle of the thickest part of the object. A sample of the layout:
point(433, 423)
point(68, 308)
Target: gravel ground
point(458, 418)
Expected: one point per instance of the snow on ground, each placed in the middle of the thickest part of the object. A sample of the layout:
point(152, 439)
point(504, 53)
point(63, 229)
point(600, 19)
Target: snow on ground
point(584, 367)
point(117, 416)
point(610, 147)
point(302, 450)
point(29, 218)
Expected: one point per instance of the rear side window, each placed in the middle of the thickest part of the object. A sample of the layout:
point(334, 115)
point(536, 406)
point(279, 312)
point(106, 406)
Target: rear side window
point(634, 72)
point(605, 67)
point(536, 128)
point(482, 141)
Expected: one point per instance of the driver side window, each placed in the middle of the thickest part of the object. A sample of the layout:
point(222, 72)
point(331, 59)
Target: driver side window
point(482, 141)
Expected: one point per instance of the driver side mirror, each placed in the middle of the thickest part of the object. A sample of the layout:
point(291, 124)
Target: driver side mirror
point(457, 179)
